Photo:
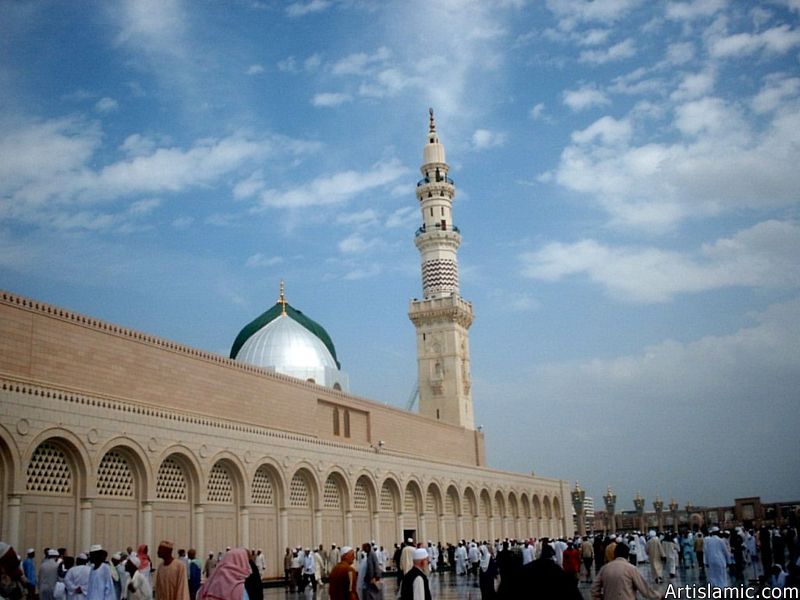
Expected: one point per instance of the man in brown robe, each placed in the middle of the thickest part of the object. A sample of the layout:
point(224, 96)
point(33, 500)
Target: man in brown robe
point(343, 578)
point(172, 581)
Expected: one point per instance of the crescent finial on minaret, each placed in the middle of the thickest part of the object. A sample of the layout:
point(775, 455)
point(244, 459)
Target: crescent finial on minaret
point(282, 299)
point(433, 123)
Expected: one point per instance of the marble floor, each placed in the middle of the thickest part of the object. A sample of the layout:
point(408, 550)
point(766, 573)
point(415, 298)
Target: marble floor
point(446, 586)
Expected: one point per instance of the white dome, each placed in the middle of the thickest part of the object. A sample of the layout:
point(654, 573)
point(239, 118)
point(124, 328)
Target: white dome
point(289, 348)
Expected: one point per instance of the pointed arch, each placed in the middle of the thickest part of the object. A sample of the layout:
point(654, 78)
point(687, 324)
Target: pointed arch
point(267, 495)
point(335, 502)
point(365, 510)
point(389, 508)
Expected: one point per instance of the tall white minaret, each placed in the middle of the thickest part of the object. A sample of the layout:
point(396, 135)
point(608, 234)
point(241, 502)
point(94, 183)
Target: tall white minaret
point(442, 317)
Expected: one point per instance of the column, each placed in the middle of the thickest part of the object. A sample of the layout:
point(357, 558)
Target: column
point(244, 519)
point(200, 530)
point(476, 527)
point(147, 524)
point(86, 522)
point(442, 530)
point(14, 516)
point(376, 531)
point(317, 525)
point(283, 530)
point(422, 534)
point(348, 527)
point(460, 527)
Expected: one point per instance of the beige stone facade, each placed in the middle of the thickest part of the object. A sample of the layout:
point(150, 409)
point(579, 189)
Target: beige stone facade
point(112, 436)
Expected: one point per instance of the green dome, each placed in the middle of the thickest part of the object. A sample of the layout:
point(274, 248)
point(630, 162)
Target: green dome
point(275, 312)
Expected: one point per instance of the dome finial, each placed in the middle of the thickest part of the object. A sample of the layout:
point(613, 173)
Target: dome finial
point(282, 299)
point(433, 123)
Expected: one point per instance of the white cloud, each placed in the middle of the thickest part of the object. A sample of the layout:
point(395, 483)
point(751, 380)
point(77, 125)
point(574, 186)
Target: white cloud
point(695, 9)
point(106, 105)
point(619, 51)
point(607, 129)
point(483, 139)
point(330, 99)
point(144, 207)
point(777, 90)
point(694, 85)
point(573, 12)
point(301, 9)
point(255, 69)
point(403, 217)
point(761, 256)
point(356, 244)
point(259, 260)
point(585, 97)
point(778, 40)
point(593, 37)
point(537, 112)
point(680, 53)
point(359, 219)
point(359, 62)
point(335, 189)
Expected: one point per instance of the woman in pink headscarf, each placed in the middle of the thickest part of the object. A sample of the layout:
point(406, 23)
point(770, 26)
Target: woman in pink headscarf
point(144, 560)
point(227, 580)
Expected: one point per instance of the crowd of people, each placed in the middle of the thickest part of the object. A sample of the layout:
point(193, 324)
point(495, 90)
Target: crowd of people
point(503, 569)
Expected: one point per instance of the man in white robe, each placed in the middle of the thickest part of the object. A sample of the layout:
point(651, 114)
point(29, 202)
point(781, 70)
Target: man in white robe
point(655, 555)
point(101, 581)
point(559, 546)
point(76, 581)
point(474, 558)
point(461, 559)
point(716, 557)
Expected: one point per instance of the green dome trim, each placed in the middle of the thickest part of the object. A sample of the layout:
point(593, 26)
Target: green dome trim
point(272, 314)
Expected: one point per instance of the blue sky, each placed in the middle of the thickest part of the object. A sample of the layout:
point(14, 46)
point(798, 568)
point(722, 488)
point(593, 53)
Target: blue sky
point(627, 190)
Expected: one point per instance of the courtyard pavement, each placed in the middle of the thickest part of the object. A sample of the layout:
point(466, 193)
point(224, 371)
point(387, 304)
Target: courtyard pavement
point(445, 586)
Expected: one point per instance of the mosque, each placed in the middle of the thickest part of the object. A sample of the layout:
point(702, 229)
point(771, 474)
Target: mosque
point(114, 436)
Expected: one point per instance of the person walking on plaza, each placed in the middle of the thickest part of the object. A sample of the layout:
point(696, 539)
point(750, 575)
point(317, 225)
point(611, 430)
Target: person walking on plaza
point(543, 578)
point(101, 581)
point(29, 570)
point(587, 556)
point(11, 577)
point(48, 575)
point(655, 555)
point(699, 542)
point(620, 580)
point(343, 577)
point(76, 580)
point(717, 557)
point(372, 587)
point(172, 581)
point(228, 581)
point(138, 587)
point(415, 583)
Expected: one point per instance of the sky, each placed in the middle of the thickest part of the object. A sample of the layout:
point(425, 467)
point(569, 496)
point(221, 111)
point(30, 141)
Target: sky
point(627, 188)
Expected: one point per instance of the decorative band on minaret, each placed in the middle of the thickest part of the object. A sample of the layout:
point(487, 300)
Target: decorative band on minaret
point(442, 317)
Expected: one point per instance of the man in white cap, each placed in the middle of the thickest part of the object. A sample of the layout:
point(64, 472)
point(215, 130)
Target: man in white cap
point(655, 554)
point(101, 582)
point(138, 587)
point(415, 583)
point(48, 574)
point(29, 570)
point(77, 578)
point(716, 556)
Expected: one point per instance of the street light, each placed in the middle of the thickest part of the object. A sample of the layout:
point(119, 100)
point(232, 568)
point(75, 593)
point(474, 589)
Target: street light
point(611, 503)
point(578, 499)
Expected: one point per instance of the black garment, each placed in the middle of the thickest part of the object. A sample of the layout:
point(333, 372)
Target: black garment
point(253, 584)
point(509, 564)
point(407, 586)
point(599, 554)
point(543, 578)
point(779, 551)
point(487, 578)
point(765, 542)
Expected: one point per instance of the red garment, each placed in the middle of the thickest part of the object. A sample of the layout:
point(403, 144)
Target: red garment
point(144, 560)
point(226, 582)
point(572, 560)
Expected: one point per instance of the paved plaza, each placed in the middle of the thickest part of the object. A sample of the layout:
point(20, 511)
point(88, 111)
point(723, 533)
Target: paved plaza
point(446, 586)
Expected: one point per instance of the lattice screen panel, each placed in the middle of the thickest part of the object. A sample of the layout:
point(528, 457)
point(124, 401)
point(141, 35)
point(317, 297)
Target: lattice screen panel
point(387, 498)
point(332, 498)
point(171, 482)
point(220, 488)
point(360, 497)
point(298, 493)
point(431, 507)
point(410, 505)
point(114, 477)
point(262, 488)
point(450, 504)
point(49, 472)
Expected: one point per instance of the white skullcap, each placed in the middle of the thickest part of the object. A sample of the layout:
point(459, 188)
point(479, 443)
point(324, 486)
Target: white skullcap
point(52, 552)
point(346, 549)
point(134, 560)
point(619, 539)
point(117, 556)
point(410, 540)
point(30, 550)
point(713, 529)
point(4, 548)
point(95, 548)
point(82, 556)
point(419, 554)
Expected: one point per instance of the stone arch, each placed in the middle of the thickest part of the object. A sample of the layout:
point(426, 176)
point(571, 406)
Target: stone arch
point(557, 525)
point(451, 515)
point(55, 479)
point(536, 513)
point(267, 496)
point(364, 508)
point(526, 508)
point(303, 501)
point(412, 507)
point(485, 515)
point(547, 516)
point(335, 502)
point(434, 509)
point(513, 516)
point(499, 516)
point(9, 468)
point(470, 512)
point(224, 492)
point(123, 480)
point(177, 491)
point(389, 507)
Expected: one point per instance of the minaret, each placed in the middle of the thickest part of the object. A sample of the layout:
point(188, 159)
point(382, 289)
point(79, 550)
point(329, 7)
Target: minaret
point(442, 317)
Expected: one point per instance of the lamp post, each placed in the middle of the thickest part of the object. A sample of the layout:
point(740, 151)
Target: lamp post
point(578, 498)
point(638, 503)
point(611, 503)
point(658, 506)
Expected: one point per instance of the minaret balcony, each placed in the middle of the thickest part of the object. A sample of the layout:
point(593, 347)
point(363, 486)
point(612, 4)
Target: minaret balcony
point(438, 228)
point(440, 179)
